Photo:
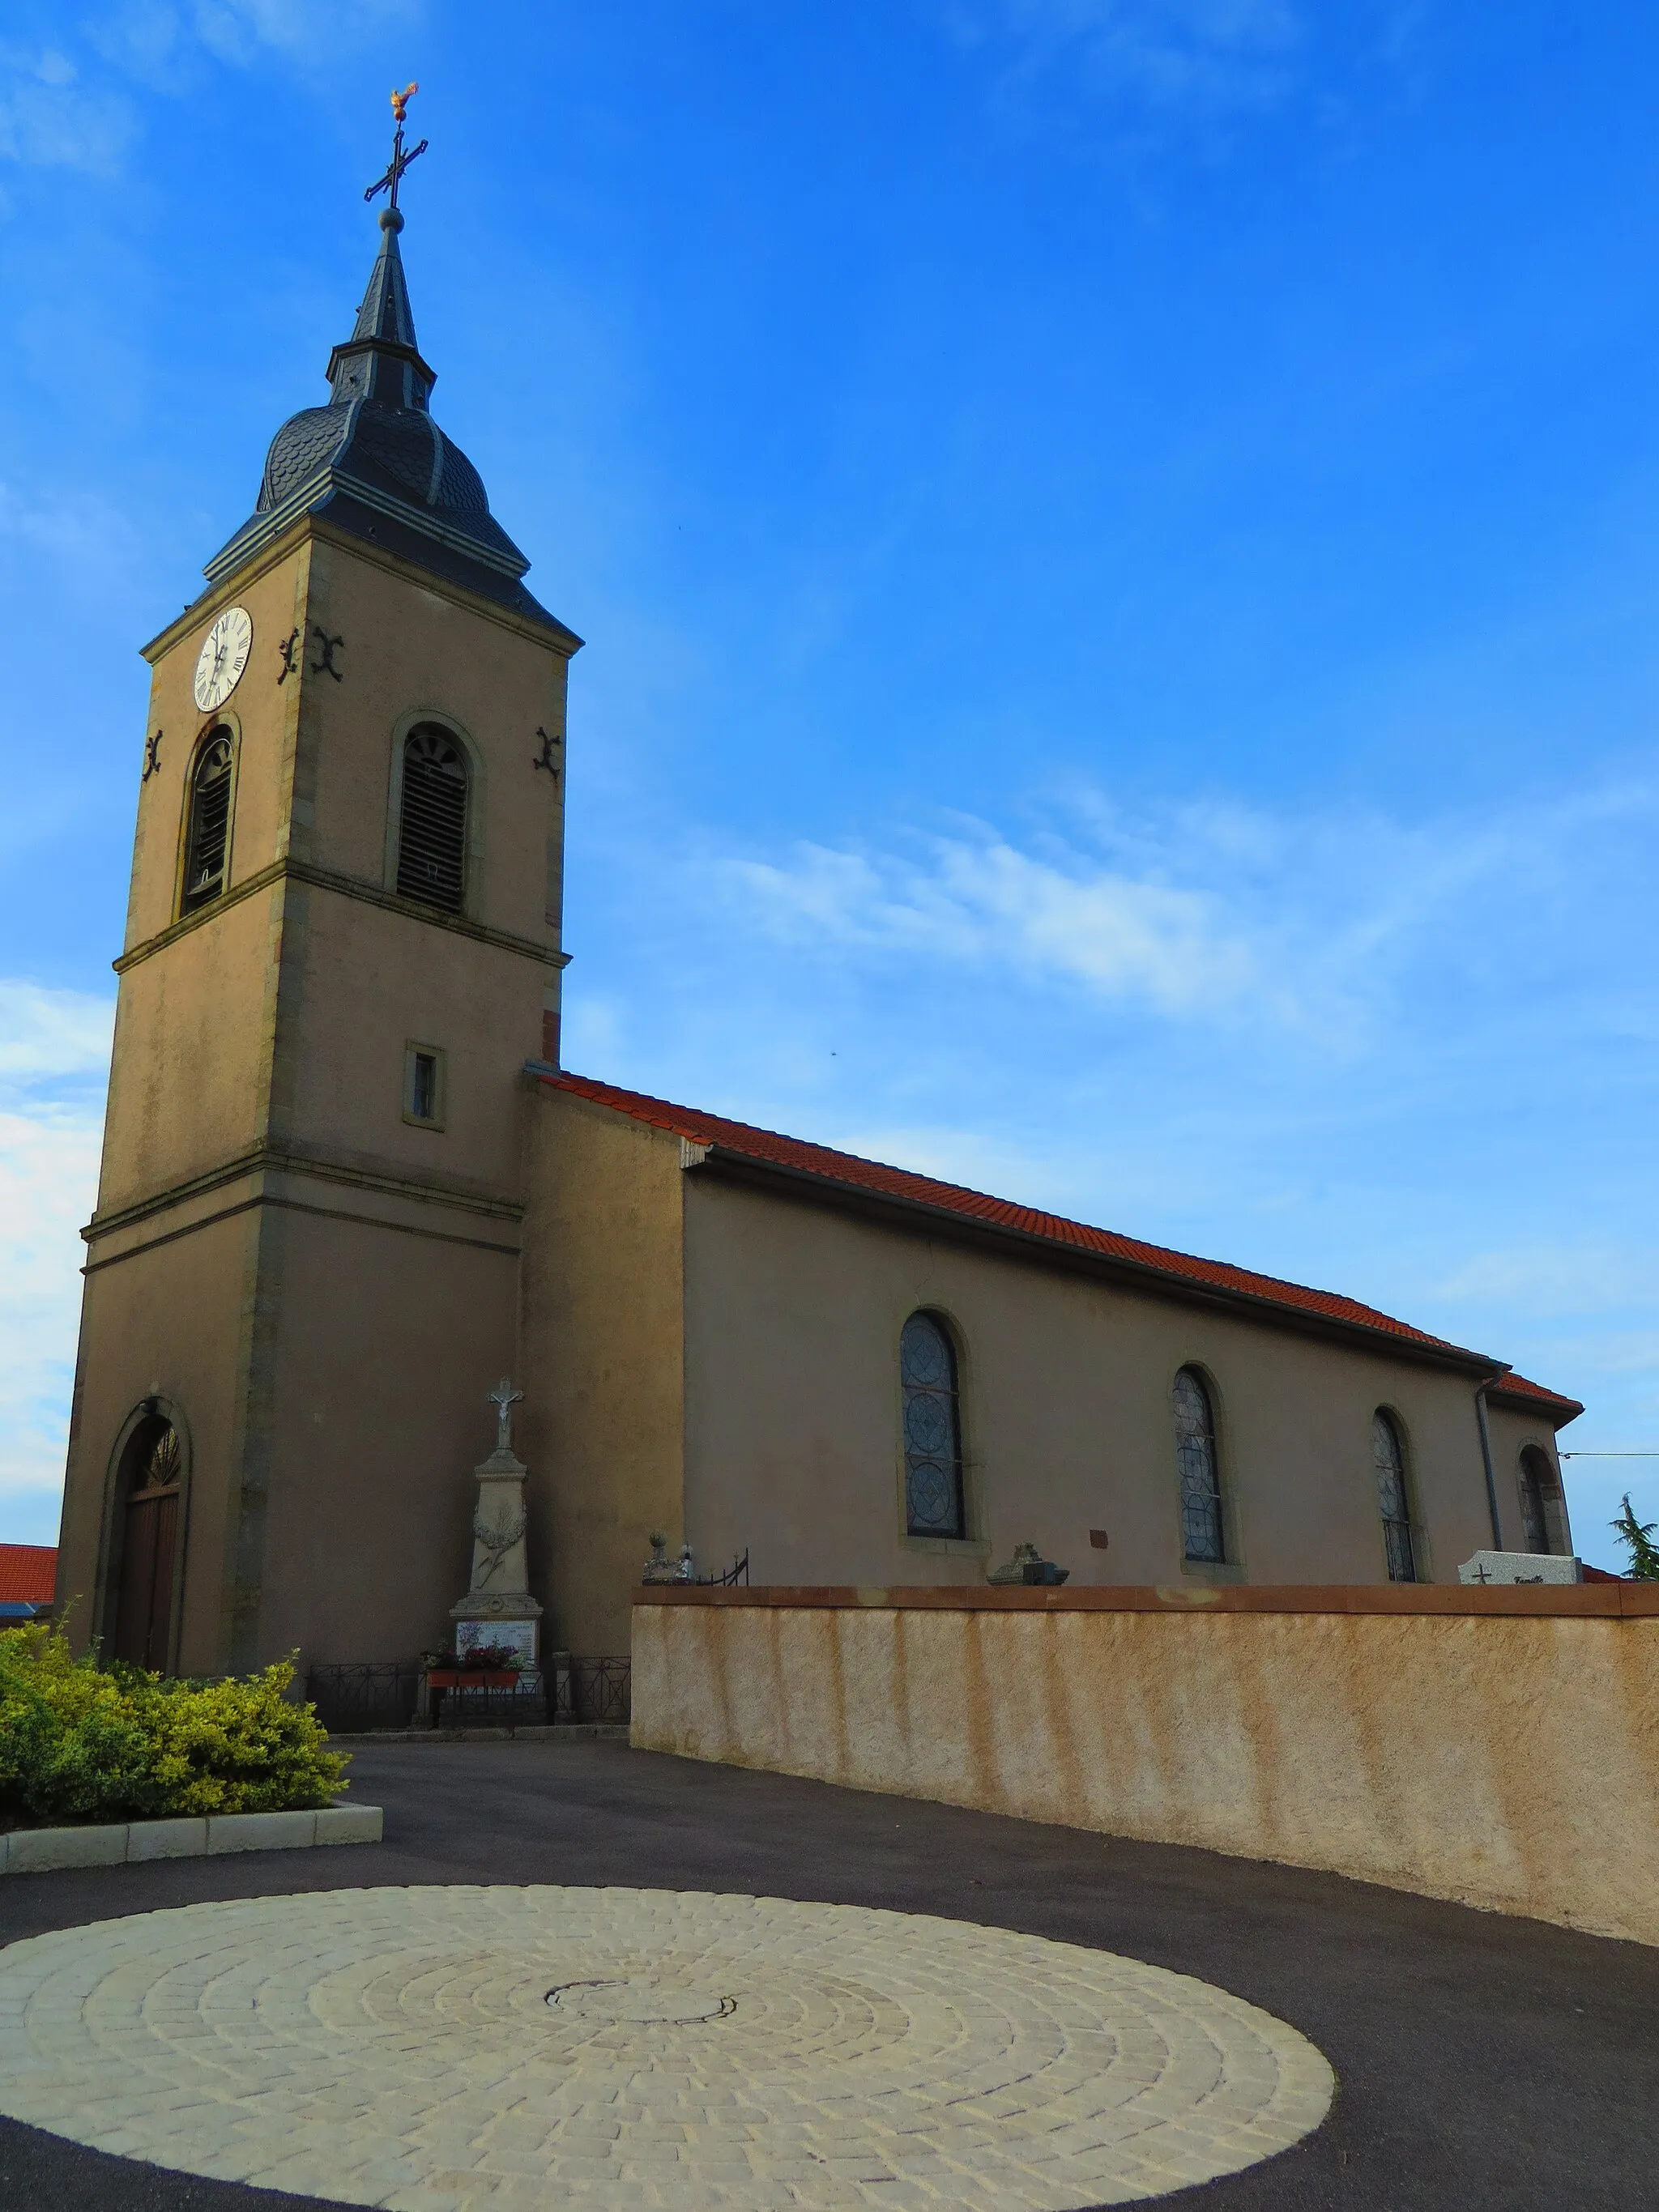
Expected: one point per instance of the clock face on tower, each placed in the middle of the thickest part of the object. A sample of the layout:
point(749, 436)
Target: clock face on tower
point(223, 657)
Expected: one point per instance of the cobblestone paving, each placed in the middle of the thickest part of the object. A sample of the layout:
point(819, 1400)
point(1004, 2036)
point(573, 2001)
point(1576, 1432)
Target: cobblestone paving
point(439, 2050)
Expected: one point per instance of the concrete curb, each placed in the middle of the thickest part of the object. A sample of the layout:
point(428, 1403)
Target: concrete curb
point(566, 1732)
point(37, 1851)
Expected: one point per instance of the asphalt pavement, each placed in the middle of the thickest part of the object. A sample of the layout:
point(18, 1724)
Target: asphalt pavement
point(1481, 2061)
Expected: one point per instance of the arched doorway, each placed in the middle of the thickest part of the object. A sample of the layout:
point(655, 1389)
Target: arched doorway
point(147, 1502)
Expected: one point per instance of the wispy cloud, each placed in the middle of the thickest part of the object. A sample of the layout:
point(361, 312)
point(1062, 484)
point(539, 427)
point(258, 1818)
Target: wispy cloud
point(1223, 915)
point(67, 103)
point(54, 1054)
point(236, 30)
point(974, 898)
point(1212, 56)
point(49, 118)
point(74, 528)
point(1554, 1280)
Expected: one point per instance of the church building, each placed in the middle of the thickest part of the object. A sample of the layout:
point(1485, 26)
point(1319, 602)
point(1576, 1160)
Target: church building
point(347, 1185)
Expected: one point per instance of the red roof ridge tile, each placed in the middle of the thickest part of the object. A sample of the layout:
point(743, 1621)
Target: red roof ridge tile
point(852, 1171)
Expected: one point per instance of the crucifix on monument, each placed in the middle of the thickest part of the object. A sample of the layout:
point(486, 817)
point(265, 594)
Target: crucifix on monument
point(504, 1398)
point(399, 161)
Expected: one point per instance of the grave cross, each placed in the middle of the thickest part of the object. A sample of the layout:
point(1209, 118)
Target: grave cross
point(504, 1398)
point(399, 161)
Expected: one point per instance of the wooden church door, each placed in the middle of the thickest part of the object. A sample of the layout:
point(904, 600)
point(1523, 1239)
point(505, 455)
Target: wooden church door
point(143, 1610)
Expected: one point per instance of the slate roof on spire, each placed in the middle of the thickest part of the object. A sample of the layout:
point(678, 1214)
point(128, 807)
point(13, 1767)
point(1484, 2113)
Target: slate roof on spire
point(386, 311)
point(374, 462)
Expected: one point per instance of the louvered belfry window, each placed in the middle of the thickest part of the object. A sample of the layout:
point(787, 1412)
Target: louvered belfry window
point(209, 842)
point(432, 831)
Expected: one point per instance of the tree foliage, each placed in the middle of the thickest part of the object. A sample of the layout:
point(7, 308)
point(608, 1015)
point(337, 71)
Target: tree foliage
point(1637, 1537)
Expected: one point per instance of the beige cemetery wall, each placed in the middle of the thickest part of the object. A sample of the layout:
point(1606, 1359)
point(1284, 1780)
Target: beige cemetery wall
point(1497, 1747)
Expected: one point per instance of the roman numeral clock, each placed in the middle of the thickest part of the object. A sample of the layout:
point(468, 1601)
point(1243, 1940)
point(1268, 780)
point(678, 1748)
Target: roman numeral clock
point(223, 657)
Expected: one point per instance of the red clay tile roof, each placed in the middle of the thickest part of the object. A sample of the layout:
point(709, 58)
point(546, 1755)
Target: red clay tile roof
point(849, 1172)
point(27, 1571)
point(1516, 1386)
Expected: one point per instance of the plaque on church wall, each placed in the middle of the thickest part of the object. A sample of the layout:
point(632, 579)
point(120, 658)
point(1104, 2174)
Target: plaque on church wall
point(519, 1635)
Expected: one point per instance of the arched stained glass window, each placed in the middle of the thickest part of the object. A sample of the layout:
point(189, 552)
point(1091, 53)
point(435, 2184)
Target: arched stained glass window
point(432, 822)
point(932, 1430)
point(1537, 1491)
point(1202, 1527)
point(207, 844)
point(1388, 1458)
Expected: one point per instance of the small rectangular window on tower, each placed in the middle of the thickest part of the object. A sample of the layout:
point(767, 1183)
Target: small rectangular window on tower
point(424, 1086)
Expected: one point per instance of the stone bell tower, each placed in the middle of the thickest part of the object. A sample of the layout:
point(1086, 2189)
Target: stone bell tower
point(342, 943)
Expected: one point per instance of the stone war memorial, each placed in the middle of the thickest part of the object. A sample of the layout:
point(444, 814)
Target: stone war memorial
point(347, 1181)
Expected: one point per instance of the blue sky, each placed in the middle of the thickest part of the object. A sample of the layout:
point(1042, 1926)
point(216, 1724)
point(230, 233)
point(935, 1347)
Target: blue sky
point(1118, 542)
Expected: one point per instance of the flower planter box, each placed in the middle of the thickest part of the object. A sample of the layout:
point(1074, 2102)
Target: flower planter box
point(472, 1678)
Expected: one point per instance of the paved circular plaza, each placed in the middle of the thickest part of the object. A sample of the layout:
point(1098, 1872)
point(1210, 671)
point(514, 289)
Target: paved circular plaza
point(438, 2048)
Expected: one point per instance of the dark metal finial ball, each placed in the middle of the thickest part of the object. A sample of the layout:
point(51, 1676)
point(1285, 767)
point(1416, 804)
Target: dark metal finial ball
point(391, 218)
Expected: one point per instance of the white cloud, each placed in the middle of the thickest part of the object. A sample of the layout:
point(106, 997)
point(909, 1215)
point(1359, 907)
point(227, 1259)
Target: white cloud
point(54, 1054)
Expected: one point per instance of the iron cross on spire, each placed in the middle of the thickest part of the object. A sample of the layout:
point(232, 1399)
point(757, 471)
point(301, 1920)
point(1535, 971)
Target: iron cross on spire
point(399, 161)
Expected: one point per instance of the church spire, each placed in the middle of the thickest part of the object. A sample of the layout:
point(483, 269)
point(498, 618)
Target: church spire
point(375, 362)
point(380, 359)
point(386, 311)
point(373, 462)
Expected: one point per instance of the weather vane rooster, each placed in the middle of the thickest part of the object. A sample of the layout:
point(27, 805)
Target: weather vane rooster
point(399, 161)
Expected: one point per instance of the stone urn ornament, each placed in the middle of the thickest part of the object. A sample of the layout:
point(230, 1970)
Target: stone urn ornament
point(1027, 1566)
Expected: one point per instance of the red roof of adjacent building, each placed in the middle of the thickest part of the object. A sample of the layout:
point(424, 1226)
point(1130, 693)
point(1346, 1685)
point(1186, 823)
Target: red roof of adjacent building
point(28, 1572)
point(846, 1171)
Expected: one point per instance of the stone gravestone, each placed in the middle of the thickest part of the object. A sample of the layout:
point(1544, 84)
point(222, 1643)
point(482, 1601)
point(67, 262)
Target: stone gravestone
point(1509, 1567)
point(498, 1607)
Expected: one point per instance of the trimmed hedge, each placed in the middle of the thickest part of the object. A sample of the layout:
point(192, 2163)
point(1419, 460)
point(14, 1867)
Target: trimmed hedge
point(79, 1741)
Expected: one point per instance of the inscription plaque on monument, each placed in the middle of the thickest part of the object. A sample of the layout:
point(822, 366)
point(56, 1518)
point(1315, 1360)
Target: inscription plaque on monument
point(516, 1636)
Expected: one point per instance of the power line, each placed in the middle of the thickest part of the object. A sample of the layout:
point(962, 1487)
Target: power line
point(1598, 1455)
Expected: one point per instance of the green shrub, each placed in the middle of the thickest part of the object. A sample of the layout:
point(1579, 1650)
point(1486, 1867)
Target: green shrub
point(83, 1742)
